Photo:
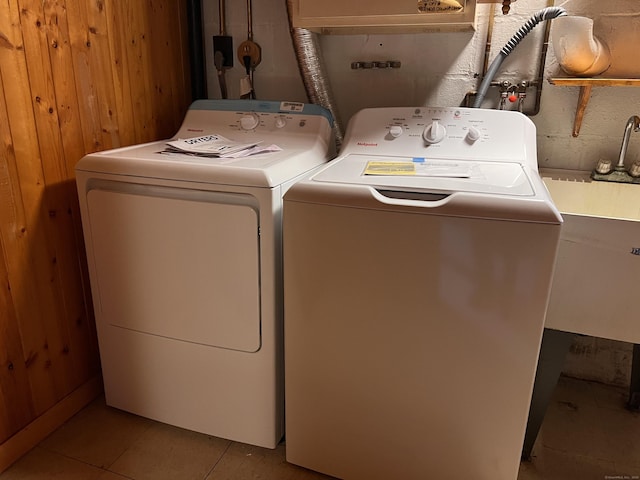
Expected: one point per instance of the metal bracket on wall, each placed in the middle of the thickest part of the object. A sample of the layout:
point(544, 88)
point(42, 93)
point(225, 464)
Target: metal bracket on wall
point(376, 64)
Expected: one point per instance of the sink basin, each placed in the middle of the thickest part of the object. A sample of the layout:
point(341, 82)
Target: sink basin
point(597, 275)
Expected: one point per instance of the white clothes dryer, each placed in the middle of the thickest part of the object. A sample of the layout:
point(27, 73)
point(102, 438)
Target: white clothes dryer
point(418, 267)
point(184, 256)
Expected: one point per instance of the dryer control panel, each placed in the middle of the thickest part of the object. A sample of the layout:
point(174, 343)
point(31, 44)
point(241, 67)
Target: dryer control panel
point(256, 120)
point(292, 138)
point(452, 133)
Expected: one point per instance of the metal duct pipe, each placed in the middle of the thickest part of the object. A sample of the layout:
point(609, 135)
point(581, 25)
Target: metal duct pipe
point(311, 65)
point(196, 50)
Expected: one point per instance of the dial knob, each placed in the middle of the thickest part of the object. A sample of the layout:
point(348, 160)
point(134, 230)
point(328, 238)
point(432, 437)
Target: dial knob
point(473, 134)
point(434, 133)
point(395, 131)
point(249, 121)
point(280, 121)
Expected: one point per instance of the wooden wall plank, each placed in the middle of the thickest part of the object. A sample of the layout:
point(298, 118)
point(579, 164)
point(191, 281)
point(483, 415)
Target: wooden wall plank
point(59, 286)
point(183, 94)
point(163, 78)
point(82, 331)
point(135, 29)
point(16, 405)
point(122, 81)
point(170, 19)
point(86, 84)
point(100, 61)
point(62, 67)
point(22, 238)
point(65, 300)
point(75, 77)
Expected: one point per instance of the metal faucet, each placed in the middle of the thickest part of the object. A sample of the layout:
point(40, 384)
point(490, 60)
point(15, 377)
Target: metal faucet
point(603, 170)
point(632, 123)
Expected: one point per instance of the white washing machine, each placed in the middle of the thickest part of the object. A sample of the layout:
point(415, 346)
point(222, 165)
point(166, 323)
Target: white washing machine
point(185, 263)
point(418, 266)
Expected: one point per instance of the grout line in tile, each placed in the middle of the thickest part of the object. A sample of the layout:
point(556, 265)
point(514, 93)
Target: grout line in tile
point(135, 439)
point(218, 461)
point(74, 459)
point(119, 474)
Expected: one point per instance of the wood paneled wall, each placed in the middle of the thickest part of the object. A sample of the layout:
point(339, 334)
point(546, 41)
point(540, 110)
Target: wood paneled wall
point(76, 76)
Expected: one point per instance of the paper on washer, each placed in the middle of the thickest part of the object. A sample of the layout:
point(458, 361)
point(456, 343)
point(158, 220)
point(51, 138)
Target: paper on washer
point(209, 145)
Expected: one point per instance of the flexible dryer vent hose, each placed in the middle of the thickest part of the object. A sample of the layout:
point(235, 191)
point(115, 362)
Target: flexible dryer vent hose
point(312, 70)
point(540, 16)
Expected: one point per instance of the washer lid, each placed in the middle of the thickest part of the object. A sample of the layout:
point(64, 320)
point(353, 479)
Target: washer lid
point(432, 175)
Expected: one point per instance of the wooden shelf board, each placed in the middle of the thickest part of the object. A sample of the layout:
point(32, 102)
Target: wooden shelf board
point(595, 82)
point(586, 84)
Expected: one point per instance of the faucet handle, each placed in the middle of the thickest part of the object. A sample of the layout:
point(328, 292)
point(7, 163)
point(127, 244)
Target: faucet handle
point(634, 171)
point(604, 166)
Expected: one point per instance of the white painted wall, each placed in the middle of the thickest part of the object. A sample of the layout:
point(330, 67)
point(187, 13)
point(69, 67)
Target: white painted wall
point(439, 68)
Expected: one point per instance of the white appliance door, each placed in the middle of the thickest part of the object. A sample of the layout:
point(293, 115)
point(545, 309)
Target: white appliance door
point(176, 263)
point(411, 339)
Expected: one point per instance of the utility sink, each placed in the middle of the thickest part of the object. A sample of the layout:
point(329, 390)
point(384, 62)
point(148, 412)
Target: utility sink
point(597, 276)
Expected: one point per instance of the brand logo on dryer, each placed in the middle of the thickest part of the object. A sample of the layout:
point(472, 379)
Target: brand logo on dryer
point(367, 144)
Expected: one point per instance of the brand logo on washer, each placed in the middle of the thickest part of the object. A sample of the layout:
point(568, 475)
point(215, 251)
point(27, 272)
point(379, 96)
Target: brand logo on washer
point(365, 144)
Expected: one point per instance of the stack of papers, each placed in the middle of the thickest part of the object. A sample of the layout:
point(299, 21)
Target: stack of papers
point(216, 146)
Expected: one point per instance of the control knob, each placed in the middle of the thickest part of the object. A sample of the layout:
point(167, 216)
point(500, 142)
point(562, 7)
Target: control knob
point(473, 134)
point(395, 131)
point(249, 121)
point(434, 133)
point(281, 121)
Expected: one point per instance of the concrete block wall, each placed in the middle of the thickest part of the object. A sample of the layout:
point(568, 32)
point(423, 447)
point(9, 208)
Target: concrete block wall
point(438, 69)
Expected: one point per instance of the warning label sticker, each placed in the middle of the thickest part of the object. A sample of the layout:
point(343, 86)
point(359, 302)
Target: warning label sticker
point(422, 168)
point(390, 168)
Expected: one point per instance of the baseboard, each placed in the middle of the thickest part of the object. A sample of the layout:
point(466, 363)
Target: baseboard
point(27, 438)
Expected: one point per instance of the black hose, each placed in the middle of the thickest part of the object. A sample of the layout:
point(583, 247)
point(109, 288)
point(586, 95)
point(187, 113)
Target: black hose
point(542, 15)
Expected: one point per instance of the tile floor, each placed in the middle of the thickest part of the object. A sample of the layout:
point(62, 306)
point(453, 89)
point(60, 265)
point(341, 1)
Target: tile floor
point(587, 434)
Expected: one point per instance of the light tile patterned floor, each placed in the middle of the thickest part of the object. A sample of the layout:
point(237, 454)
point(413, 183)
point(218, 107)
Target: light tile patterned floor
point(587, 434)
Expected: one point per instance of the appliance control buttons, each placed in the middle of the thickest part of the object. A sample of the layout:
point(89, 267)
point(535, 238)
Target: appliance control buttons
point(281, 121)
point(249, 121)
point(395, 131)
point(473, 134)
point(434, 133)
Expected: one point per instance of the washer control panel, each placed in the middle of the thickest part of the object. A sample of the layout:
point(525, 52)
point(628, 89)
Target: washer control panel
point(431, 132)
